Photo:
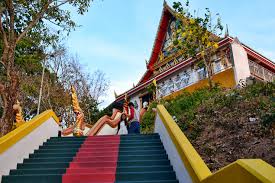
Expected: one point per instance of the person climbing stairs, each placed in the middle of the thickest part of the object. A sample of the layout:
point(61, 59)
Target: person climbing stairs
point(96, 159)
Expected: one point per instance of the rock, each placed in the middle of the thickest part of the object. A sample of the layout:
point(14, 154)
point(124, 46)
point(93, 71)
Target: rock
point(175, 119)
point(251, 119)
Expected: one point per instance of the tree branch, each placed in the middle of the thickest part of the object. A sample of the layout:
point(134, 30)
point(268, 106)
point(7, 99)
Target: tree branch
point(4, 103)
point(35, 20)
point(38, 17)
point(61, 26)
point(62, 3)
point(11, 22)
point(2, 63)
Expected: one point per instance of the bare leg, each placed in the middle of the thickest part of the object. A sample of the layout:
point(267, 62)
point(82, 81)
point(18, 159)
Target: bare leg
point(105, 120)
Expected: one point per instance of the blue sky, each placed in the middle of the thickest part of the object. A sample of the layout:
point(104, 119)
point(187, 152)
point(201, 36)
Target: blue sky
point(116, 36)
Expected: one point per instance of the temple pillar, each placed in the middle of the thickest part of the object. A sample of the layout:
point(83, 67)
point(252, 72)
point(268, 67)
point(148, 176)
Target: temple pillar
point(240, 61)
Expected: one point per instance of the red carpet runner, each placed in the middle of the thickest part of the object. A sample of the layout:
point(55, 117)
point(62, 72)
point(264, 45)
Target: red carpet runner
point(95, 162)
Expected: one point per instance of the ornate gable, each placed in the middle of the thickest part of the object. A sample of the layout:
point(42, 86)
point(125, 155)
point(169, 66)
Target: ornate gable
point(170, 37)
point(164, 54)
point(169, 55)
point(166, 16)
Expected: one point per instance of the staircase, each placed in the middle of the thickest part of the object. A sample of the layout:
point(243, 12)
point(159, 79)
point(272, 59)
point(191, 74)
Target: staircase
point(97, 159)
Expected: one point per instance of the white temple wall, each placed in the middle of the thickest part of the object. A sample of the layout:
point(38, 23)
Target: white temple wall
point(241, 64)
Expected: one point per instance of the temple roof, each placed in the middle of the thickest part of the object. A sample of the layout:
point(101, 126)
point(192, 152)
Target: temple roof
point(167, 14)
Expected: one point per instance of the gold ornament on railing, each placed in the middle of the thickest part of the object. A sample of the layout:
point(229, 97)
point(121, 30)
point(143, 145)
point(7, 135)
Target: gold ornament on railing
point(125, 105)
point(155, 89)
point(19, 119)
point(79, 124)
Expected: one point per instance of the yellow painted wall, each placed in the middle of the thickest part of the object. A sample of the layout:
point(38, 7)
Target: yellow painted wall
point(225, 79)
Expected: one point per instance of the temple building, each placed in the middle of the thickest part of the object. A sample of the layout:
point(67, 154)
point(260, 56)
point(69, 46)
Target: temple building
point(233, 63)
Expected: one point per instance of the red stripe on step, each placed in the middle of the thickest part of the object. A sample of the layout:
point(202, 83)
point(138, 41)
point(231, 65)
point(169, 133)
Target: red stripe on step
point(95, 153)
point(91, 170)
point(95, 158)
point(95, 162)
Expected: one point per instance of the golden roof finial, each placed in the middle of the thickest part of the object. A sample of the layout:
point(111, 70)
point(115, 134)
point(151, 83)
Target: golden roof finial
point(146, 62)
point(226, 34)
point(19, 119)
point(115, 94)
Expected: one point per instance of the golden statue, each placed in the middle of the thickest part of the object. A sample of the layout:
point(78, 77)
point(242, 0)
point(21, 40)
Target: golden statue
point(161, 57)
point(18, 116)
point(79, 124)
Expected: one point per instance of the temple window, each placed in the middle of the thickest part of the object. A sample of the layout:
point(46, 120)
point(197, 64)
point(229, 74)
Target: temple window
point(201, 73)
point(170, 85)
point(185, 78)
point(217, 66)
point(178, 82)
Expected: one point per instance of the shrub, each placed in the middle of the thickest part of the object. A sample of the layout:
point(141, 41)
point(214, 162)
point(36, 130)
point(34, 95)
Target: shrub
point(268, 120)
point(188, 106)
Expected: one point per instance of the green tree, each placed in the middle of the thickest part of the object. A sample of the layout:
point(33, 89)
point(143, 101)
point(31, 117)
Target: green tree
point(198, 37)
point(28, 19)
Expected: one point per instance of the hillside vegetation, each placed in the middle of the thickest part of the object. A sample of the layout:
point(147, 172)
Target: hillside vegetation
point(225, 125)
